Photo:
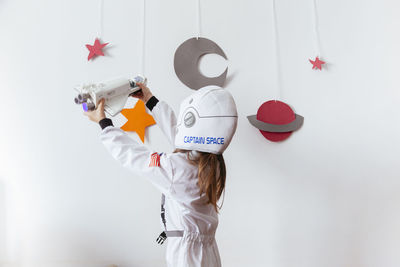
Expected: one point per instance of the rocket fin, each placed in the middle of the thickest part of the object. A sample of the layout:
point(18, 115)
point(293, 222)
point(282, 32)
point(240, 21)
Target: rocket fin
point(115, 105)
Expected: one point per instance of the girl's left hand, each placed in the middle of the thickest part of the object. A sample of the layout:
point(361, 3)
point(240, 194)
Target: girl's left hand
point(97, 114)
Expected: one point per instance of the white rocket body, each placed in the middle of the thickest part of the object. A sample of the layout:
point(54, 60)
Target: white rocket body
point(115, 92)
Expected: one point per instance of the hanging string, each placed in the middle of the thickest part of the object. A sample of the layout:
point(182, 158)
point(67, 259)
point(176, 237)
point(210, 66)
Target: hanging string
point(198, 19)
point(101, 12)
point(142, 59)
point(316, 29)
point(277, 53)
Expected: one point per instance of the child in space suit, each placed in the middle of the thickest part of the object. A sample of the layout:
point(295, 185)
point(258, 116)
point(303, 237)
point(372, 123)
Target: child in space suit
point(192, 178)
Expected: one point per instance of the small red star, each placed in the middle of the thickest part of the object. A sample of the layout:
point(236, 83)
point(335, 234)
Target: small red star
point(317, 64)
point(95, 49)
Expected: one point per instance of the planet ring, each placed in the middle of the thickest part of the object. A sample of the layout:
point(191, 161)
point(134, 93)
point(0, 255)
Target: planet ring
point(276, 128)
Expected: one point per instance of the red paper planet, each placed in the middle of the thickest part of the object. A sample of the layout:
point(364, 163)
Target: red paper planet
point(276, 120)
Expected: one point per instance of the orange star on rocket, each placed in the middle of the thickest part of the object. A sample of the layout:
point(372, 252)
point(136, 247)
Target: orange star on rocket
point(138, 119)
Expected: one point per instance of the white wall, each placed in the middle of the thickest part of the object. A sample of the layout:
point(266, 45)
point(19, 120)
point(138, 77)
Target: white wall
point(328, 196)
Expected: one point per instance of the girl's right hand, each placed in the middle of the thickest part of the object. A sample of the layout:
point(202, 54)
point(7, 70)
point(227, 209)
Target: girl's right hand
point(143, 94)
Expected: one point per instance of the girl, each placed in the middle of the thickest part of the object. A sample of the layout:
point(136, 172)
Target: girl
point(192, 178)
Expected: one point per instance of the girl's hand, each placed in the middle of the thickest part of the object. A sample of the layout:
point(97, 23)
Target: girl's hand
point(97, 114)
point(144, 94)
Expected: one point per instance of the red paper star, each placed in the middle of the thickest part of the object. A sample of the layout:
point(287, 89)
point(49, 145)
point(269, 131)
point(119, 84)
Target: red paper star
point(95, 49)
point(317, 64)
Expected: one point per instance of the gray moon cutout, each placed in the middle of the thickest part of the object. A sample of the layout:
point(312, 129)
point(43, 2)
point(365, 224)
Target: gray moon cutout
point(186, 63)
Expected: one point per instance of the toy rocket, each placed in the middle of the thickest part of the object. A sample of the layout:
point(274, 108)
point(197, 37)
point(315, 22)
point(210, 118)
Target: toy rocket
point(115, 92)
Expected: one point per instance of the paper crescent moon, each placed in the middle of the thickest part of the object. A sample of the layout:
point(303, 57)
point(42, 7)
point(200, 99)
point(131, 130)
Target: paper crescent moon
point(186, 63)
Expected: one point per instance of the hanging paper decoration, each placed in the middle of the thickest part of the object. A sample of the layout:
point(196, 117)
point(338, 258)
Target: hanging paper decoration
point(187, 56)
point(275, 119)
point(97, 48)
point(186, 63)
point(317, 63)
point(138, 119)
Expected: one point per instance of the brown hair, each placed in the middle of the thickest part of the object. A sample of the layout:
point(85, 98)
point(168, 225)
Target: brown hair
point(212, 174)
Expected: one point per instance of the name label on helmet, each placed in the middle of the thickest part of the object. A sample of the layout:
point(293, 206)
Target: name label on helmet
point(203, 140)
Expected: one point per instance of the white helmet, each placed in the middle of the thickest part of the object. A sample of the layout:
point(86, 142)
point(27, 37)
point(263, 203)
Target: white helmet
point(207, 121)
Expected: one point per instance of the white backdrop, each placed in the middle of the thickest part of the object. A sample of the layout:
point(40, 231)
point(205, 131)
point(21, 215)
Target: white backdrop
point(328, 196)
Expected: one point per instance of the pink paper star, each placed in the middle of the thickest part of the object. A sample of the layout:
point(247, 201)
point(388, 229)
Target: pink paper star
point(95, 49)
point(317, 64)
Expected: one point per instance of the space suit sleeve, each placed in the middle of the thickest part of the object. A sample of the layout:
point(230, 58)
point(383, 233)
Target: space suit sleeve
point(166, 120)
point(138, 158)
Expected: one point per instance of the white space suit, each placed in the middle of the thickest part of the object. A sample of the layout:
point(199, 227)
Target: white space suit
point(176, 178)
